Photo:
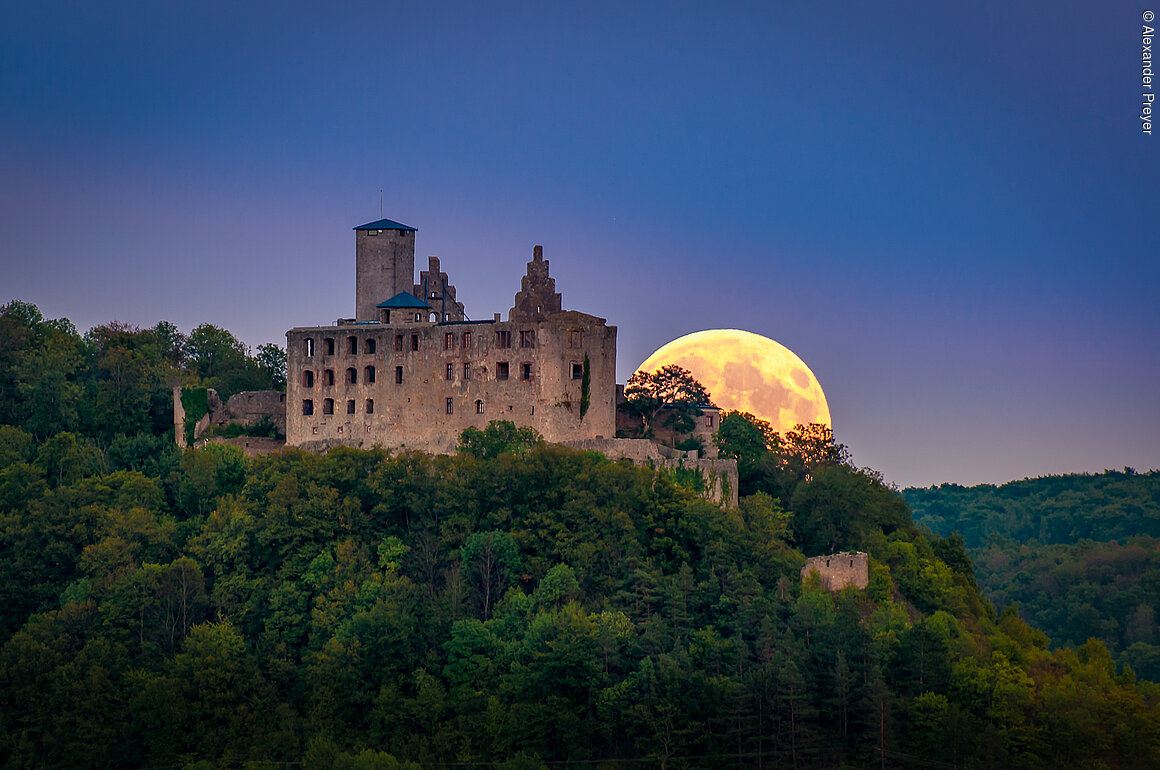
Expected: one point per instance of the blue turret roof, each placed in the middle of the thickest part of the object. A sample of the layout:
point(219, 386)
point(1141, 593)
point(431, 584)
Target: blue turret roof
point(403, 299)
point(385, 224)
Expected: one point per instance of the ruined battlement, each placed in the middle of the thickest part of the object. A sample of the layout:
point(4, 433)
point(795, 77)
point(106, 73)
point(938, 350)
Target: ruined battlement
point(838, 570)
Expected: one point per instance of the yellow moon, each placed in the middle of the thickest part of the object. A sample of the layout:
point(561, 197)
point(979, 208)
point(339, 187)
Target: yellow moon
point(746, 372)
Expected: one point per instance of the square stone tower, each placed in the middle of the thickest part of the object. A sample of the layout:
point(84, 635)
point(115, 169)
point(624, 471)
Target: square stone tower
point(384, 264)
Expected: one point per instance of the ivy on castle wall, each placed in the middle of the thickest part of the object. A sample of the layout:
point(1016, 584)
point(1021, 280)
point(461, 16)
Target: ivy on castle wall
point(585, 388)
point(195, 402)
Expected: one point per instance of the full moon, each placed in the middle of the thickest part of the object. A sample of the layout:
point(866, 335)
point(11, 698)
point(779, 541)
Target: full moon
point(748, 373)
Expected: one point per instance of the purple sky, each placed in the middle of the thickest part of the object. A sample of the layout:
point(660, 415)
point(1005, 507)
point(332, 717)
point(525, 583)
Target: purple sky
point(948, 212)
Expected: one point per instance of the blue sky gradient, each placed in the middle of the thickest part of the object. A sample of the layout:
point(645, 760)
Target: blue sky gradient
point(948, 212)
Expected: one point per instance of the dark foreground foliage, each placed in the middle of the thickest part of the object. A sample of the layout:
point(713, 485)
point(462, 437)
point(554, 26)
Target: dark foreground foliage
point(514, 606)
point(366, 610)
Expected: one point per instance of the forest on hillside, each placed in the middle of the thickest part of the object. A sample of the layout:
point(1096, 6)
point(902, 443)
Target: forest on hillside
point(1078, 555)
point(515, 605)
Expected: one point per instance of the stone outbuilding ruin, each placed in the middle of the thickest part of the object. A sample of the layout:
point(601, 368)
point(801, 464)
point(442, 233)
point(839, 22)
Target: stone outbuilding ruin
point(838, 570)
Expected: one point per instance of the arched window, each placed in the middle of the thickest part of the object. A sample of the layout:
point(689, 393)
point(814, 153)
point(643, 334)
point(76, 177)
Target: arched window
point(479, 407)
point(369, 345)
point(369, 374)
point(307, 378)
point(328, 377)
point(352, 345)
point(352, 376)
point(328, 346)
point(350, 406)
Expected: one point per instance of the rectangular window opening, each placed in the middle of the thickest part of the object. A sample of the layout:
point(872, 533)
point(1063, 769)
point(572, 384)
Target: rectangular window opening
point(501, 370)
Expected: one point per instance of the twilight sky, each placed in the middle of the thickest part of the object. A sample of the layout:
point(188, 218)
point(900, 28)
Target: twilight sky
point(947, 211)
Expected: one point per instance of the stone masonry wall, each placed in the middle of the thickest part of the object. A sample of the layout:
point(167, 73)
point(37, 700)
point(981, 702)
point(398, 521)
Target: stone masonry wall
point(432, 380)
point(838, 570)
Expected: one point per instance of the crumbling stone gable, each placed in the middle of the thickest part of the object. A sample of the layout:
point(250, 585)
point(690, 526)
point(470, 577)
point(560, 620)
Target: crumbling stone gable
point(438, 292)
point(537, 296)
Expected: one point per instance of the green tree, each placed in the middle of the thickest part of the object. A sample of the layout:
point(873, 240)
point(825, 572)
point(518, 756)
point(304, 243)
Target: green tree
point(672, 388)
point(499, 437)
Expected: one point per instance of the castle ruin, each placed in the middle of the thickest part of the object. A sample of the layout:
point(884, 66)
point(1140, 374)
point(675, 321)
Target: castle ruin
point(412, 371)
point(838, 570)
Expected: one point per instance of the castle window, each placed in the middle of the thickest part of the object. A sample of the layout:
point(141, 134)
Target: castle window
point(328, 346)
point(479, 407)
point(503, 339)
point(352, 345)
point(370, 406)
point(434, 318)
point(369, 374)
point(467, 371)
point(501, 370)
point(418, 317)
point(575, 339)
point(369, 345)
point(527, 339)
point(398, 343)
point(577, 371)
point(414, 342)
point(449, 341)
point(525, 371)
point(450, 406)
point(466, 340)
point(450, 375)
point(307, 379)
point(307, 407)
point(328, 377)
point(308, 345)
point(328, 406)
point(352, 376)
point(350, 406)
point(709, 420)
point(398, 375)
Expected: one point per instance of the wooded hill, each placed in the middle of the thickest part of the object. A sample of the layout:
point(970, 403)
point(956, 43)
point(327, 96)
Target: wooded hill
point(1078, 554)
point(514, 605)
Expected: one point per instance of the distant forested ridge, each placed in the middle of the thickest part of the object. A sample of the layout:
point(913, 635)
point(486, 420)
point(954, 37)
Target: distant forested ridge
point(515, 605)
point(1112, 505)
point(1078, 554)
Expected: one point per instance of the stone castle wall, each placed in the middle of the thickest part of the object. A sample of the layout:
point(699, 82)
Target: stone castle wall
point(838, 570)
point(423, 384)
